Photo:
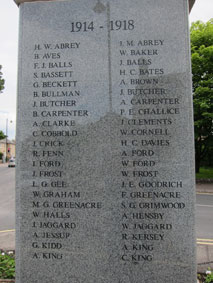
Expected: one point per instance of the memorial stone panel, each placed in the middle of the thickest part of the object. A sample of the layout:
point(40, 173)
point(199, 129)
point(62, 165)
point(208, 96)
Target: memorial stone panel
point(105, 162)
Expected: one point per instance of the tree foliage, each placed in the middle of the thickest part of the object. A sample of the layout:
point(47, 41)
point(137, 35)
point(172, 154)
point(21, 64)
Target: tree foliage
point(2, 135)
point(202, 71)
point(1, 80)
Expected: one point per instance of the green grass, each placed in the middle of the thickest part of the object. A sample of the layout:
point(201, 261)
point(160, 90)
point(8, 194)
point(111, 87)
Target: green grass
point(205, 173)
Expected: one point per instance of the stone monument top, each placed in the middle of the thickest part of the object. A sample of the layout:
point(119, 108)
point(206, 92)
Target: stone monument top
point(18, 2)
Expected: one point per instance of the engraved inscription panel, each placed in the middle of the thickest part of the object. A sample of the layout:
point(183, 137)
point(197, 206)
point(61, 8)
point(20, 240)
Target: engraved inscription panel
point(105, 189)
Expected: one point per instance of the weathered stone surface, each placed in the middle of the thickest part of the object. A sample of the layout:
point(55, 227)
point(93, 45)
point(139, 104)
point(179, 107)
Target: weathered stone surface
point(105, 162)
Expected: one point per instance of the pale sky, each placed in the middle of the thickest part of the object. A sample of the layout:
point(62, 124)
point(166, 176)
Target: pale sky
point(202, 10)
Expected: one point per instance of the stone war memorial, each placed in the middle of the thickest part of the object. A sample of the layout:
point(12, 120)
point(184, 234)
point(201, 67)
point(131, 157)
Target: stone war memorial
point(105, 163)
